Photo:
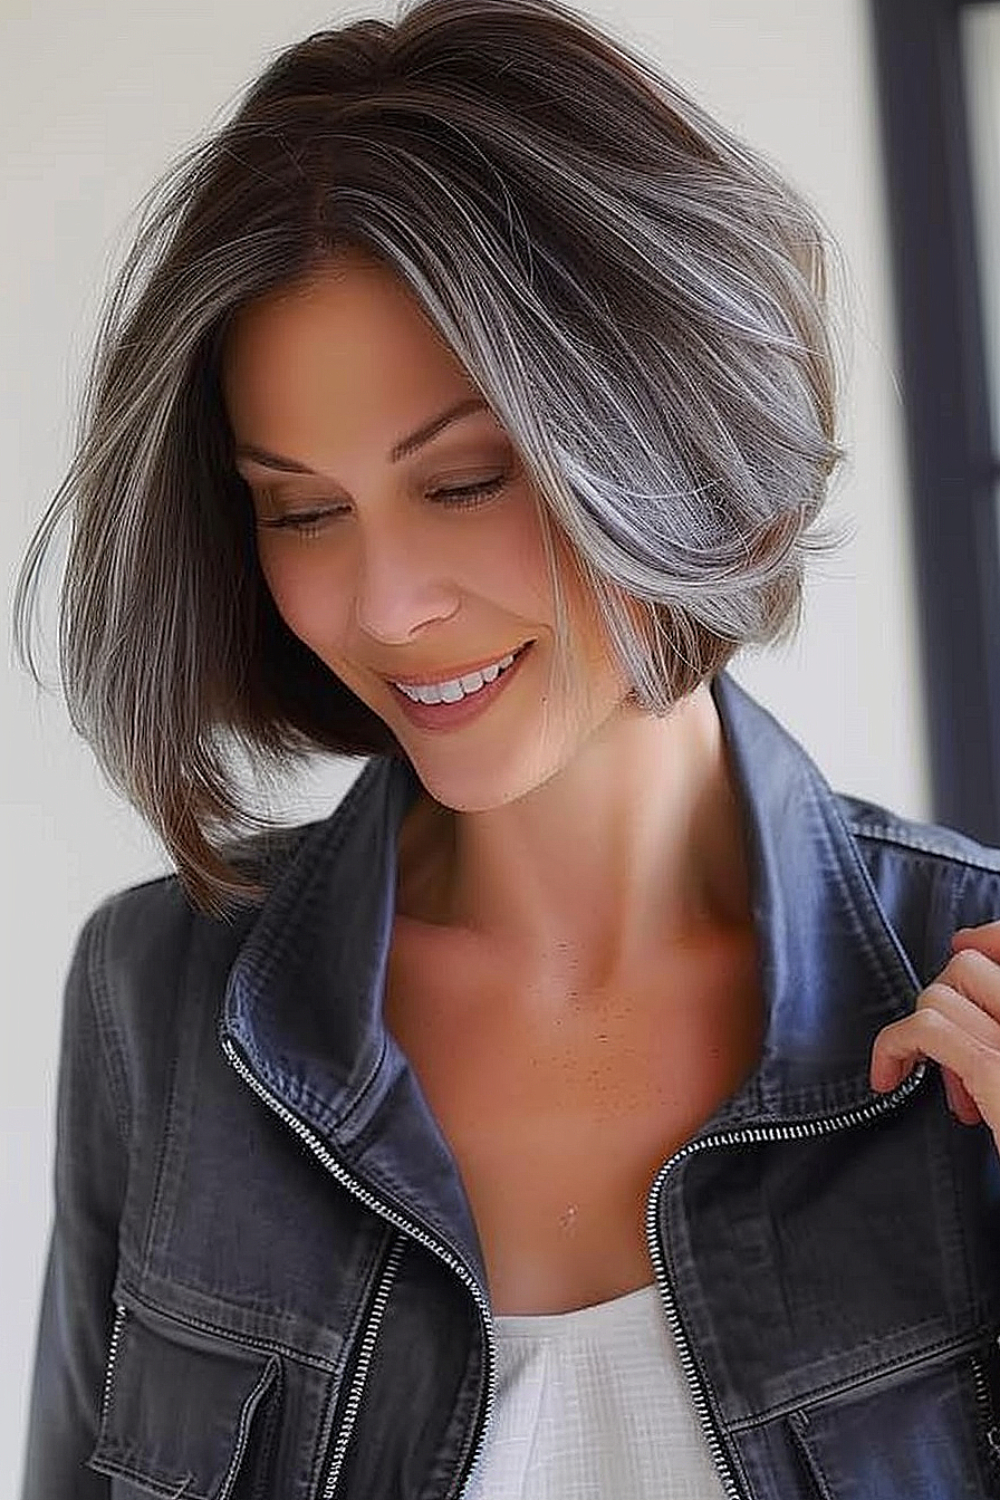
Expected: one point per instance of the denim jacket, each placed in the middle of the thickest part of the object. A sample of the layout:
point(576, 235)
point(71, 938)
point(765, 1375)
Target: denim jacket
point(264, 1278)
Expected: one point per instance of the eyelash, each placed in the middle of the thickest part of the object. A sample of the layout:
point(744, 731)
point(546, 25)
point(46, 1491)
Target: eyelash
point(304, 523)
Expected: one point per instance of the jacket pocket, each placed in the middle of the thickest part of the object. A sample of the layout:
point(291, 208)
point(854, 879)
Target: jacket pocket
point(917, 1431)
point(185, 1414)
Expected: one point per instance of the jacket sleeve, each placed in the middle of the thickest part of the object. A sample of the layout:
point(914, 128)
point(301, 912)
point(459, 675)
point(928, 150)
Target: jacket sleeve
point(77, 1313)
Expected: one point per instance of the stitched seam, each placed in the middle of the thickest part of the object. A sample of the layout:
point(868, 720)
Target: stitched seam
point(244, 1341)
point(146, 1481)
point(856, 1382)
point(892, 960)
point(797, 1426)
point(164, 1151)
point(99, 995)
point(248, 1412)
point(374, 1317)
point(339, 1125)
point(324, 1437)
point(318, 1104)
point(886, 833)
point(346, 814)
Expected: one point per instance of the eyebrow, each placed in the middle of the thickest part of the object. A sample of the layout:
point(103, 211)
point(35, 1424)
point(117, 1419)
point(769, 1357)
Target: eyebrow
point(406, 445)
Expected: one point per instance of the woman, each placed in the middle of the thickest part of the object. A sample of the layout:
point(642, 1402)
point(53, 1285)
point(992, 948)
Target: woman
point(545, 1120)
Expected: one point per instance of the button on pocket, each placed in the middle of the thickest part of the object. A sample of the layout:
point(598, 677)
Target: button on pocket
point(185, 1414)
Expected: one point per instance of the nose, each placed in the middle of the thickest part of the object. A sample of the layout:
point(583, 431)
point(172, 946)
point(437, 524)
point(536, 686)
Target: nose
point(401, 585)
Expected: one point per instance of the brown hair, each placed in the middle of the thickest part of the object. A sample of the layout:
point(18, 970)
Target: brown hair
point(640, 298)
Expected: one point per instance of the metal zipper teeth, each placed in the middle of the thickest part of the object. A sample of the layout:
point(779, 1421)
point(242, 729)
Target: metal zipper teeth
point(109, 1375)
point(987, 1408)
point(747, 1135)
point(415, 1231)
point(983, 1402)
point(353, 1402)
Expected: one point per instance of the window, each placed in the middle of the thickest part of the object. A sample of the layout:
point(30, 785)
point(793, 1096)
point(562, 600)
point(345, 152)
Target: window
point(938, 70)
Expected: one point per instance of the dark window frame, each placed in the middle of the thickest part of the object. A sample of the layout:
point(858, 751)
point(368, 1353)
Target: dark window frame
point(953, 469)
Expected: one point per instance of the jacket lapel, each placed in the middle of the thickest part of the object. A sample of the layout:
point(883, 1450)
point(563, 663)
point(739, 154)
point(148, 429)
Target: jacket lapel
point(303, 1000)
point(833, 970)
point(303, 1003)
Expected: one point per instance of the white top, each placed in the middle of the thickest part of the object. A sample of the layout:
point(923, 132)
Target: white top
point(593, 1405)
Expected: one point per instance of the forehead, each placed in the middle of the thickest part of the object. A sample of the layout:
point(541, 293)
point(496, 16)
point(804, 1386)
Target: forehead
point(351, 315)
point(345, 344)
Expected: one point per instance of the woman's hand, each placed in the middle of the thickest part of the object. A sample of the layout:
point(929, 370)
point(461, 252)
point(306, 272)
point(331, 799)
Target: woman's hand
point(957, 1024)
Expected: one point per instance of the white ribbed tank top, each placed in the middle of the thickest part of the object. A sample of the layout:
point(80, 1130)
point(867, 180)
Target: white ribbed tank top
point(593, 1405)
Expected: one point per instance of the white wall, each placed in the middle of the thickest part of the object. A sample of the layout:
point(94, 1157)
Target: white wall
point(94, 102)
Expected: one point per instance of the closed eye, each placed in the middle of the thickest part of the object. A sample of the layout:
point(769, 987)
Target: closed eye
point(306, 523)
point(468, 494)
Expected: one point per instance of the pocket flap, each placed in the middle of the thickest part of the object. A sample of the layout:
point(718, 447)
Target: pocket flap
point(179, 1407)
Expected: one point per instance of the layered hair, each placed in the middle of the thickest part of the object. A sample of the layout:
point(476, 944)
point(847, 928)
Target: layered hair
point(641, 300)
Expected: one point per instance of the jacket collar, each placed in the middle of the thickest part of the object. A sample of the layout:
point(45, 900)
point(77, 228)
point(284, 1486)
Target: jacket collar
point(834, 971)
point(303, 998)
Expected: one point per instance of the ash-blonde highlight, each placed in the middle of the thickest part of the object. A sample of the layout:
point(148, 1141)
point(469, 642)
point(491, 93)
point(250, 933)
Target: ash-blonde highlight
point(641, 299)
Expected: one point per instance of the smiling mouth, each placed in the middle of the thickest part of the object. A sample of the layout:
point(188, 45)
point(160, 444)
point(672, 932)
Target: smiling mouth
point(462, 705)
point(455, 689)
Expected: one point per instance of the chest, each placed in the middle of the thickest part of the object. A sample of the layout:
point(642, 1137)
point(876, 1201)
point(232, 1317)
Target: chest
point(560, 1106)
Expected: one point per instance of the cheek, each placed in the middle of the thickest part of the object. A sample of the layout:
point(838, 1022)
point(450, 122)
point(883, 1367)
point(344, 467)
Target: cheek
point(510, 559)
point(312, 603)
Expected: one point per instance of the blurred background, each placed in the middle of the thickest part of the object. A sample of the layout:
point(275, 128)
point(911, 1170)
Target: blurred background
point(886, 113)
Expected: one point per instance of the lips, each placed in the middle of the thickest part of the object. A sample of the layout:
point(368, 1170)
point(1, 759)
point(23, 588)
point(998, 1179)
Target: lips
point(429, 679)
point(444, 716)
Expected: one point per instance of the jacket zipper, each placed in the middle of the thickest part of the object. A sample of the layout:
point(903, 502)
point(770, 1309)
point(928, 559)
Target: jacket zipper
point(364, 1195)
point(986, 1404)
point(360, 1375)
point(116, 1335)
point(747, 1135)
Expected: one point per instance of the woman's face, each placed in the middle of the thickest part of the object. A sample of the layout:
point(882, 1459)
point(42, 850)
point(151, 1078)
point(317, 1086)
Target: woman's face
point(374, 565)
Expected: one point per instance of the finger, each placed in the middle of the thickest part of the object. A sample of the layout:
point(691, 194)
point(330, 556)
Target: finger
point(985, 938)
point(960, 1101)
point(929, 1032)
point(971, 973)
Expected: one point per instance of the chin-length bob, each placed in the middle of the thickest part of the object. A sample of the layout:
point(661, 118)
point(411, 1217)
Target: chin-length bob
point(640, 299)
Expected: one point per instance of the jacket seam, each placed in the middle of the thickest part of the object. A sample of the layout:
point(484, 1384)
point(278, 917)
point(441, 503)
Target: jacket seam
point(118, 1460)
point(243, 1341)
point(303, 894)
point(98, 992)
point(304, 897)
point(888, 834)
point(347, 1364)
point(798, 1424)
point(881, 938)
point(165, 1134)
point(341, 1124)
point(817, 1394)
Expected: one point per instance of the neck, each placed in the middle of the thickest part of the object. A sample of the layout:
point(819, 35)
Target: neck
point(635, 845)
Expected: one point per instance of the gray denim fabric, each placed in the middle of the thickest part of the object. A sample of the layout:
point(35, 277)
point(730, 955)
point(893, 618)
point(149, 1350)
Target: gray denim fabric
point(264, 1277)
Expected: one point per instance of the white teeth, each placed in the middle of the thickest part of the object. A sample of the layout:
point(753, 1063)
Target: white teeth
point(456, 687)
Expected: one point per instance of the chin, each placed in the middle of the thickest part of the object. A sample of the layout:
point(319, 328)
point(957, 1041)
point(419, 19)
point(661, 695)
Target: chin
point(476, 787)
point(468, 794)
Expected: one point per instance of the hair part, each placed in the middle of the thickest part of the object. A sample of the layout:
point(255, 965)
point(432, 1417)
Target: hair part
point(640, 298)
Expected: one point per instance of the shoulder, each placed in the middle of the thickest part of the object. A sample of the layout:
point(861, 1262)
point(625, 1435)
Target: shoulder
point(930, 880)
point(147, 947)
point(157, 913)
point(144, 951)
